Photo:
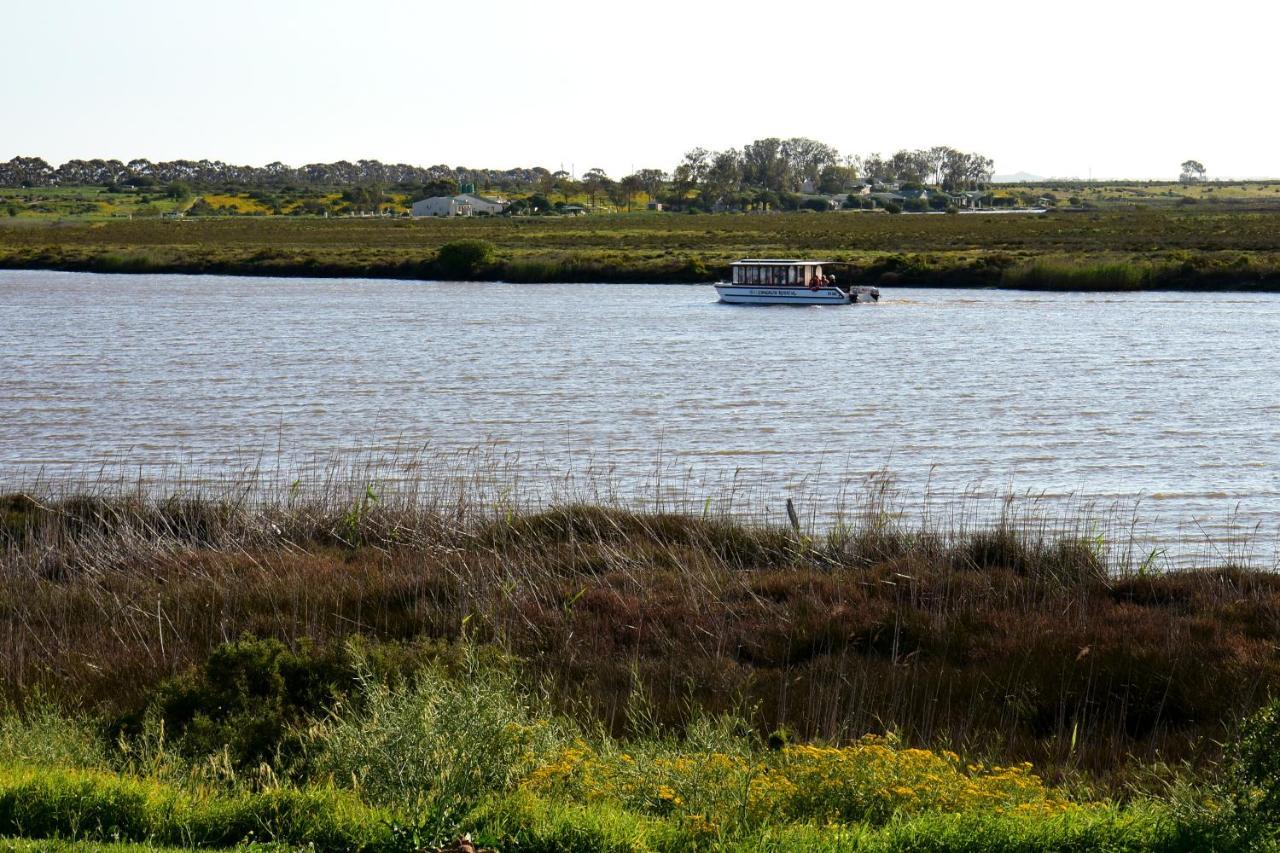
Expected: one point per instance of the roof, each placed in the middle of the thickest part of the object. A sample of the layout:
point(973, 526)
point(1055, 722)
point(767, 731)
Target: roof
point(775, 262)
point(472, 197)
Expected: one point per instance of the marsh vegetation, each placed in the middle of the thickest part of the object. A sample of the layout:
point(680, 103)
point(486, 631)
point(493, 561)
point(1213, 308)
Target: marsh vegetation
point(359, 664)
point(1092, 250)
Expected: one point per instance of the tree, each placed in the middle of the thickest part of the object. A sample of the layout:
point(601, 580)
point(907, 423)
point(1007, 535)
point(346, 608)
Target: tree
point(805, 159)
point(723, 177)
point(764, 165)
point(439, 187)
point(834, 179)
point(596, 182)
point(876, 168)
point(631, 185)
point(651, 181)
point(1192, 171)
point(934, 159)
point(618, 193)
point(179, 191)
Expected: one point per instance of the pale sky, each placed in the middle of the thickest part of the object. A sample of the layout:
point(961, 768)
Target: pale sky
point(1118, 89)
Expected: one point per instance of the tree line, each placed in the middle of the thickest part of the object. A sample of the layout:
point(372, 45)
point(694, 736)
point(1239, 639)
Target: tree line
point(36, 172)
point(768, 172)
point(781, 167)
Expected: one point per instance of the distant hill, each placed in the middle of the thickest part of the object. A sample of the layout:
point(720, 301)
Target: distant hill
point(1017, 178)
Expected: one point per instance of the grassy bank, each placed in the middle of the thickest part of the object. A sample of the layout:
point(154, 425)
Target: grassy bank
point(1012, 641)
point(357, 665)
point(1096, 250)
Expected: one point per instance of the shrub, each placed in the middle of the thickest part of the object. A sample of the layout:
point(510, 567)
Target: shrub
point(1255, 775)
point(1061, 275)
point(462, 258)
point(438, 746)
point(45, 737)
point(248, 698)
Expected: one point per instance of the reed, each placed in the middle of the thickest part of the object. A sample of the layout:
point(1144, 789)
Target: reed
point(1015, 635)
point(1060, 274)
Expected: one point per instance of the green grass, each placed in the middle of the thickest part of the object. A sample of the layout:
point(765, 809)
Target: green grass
point(1174, 248)
point(49, 845)
point(473, 753)
point(583, 677)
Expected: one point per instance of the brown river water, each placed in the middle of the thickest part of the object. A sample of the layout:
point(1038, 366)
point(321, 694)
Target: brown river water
point(1164, 407)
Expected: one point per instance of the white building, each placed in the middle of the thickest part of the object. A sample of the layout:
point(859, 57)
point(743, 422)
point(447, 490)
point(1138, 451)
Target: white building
point(458, 205)
point(482, 206)
point(441, 205)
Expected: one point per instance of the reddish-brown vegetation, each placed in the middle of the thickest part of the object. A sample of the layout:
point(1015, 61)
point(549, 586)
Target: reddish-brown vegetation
point(992, 641)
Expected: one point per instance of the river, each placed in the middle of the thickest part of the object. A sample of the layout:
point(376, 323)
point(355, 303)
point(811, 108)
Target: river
point(1162, 406)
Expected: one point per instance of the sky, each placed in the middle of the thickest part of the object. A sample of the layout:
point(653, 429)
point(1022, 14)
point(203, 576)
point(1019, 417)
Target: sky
point(1104, 89)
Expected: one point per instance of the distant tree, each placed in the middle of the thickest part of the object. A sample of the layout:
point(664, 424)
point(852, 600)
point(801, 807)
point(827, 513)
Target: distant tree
point(806, 158)
point(364, 199)
point(178, 191)
point(631, 185)
point(934, 159)
point(439, 187)
point(596, 182)
point(876, 168)
point(909, 166)
point(1192, 171)
point(833, 179)
point(618, 193)
point(652, 181)
point(723, 177)
point(764, 165)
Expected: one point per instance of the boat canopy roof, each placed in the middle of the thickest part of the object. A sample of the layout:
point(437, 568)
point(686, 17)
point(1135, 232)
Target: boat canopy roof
point(776, 262)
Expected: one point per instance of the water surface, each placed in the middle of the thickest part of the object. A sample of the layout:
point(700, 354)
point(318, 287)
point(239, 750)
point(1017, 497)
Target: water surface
point(1170, 399)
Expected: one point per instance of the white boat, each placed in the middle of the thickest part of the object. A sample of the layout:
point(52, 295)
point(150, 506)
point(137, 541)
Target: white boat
point(774, 281)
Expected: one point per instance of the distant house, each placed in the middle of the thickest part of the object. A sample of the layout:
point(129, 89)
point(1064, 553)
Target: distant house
point(886, 198)
point(441, 205)
point(972, 200)
point(481, 206)
point(465, 204)
point(860, 188)
point(573, 210)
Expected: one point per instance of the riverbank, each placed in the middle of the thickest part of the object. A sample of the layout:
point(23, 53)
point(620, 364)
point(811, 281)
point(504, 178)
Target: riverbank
point(361, 667)
point(1018, 643)
point(1114, 250)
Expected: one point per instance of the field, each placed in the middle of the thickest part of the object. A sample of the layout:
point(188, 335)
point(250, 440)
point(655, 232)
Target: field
point(352, 664)
point(1180, 247)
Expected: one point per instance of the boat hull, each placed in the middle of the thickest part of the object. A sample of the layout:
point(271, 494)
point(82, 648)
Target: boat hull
point(749, 295)
point(740, 295)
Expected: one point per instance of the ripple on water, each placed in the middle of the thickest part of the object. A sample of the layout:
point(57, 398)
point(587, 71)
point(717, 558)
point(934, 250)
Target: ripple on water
point(1130, 397)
